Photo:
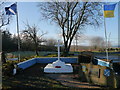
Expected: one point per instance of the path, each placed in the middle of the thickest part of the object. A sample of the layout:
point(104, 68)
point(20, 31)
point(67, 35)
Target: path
point(67, 80)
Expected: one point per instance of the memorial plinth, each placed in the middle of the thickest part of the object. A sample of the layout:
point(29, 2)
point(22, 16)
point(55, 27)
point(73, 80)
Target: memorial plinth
point(58, 66)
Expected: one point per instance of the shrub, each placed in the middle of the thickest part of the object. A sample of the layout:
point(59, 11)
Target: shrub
point(84, 58)
point(19, 70)
point(7, 69)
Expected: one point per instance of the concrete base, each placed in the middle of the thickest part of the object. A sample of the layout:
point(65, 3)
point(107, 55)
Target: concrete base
point(51, 69)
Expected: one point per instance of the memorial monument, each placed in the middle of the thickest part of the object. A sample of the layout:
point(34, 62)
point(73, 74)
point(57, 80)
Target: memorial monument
point(58, 66)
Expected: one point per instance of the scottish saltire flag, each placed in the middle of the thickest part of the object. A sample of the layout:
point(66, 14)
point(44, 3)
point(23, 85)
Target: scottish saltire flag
point(12, 10)
point(109, 10)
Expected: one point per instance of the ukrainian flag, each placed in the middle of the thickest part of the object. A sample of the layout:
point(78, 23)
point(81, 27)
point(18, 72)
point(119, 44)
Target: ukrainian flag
point(109, 10)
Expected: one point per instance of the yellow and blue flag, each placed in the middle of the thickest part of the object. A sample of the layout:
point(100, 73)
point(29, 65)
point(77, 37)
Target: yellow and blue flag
point(109, 10)
point(12, 10)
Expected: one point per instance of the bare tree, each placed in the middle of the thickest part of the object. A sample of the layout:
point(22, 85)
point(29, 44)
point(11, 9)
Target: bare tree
point(109, 43)
point(76, 38)
point(71, 17)
point(30, 33)
point(97, 42)
point(51, 42)
point(4, 19)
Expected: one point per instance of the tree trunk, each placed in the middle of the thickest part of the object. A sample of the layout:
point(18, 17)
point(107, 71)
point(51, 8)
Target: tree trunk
point(66, 51)
point(36, 49)
point(3, 57)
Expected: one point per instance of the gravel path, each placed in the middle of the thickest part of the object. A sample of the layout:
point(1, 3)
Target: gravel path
point(67, 80)
point(64, 79)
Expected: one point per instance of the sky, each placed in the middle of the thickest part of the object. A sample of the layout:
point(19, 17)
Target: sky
point(29, 12)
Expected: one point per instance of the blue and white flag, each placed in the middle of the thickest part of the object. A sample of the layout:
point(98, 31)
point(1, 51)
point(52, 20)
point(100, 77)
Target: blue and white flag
point(103, 63)
point(12, 10)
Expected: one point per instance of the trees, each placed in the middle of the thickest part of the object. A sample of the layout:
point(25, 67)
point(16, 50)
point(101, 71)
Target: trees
point(8, 44)
point(30, 34)
point(51, 42)
point(97, 42)
point(76, 38)
point(71, 17)
point(4, 19)
point(8, 39)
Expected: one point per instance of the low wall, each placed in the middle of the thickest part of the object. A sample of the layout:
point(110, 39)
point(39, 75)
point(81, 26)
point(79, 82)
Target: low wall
point(33, 61)
point(27, 63)
point(52, 59)
point(96, 74)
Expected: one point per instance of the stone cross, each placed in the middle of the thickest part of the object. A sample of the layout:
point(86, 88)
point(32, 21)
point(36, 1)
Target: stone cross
point(58, 49)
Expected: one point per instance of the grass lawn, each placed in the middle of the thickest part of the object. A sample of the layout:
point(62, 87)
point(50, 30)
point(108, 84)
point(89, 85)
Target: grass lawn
point(32, 77)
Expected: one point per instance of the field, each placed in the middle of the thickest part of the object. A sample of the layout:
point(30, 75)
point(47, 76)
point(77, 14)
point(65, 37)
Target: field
point(24, 54)
point(28, 54)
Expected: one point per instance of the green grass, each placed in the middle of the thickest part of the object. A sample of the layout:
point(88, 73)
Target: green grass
point(24, 54)
point(31, 54)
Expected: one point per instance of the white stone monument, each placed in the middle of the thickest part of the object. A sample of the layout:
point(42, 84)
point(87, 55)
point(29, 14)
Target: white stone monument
point(58, 66)
point(15, 70)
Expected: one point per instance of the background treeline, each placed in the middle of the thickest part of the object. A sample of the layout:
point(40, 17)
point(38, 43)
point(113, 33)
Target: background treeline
point(10, 43)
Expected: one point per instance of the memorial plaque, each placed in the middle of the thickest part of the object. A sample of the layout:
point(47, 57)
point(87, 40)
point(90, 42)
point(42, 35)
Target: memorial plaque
point(95, 72)
point(107, 72)
point(84, 68)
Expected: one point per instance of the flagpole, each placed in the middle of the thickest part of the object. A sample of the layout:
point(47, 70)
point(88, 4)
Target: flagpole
point(106, 39)
point(18, 34)
point(105, 35)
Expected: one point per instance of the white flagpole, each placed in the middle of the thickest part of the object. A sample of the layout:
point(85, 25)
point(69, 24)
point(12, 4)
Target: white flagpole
point(105, 35)
point(106, 39)
point(118, 25)
point(18, 34)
